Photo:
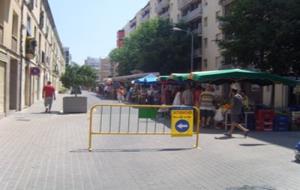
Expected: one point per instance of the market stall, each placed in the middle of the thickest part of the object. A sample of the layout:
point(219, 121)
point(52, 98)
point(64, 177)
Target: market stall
point(262, 119)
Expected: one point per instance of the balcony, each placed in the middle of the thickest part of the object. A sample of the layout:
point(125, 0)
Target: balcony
point(30, 47)
point(185, 3)
point(225, 2)
point(30, 4)
point(14, 44)
point(198, 30)
point(164, 15)
point(132, 23)
point(192, 15)
point(198, 52)
point(161, 4)
point(1, 34)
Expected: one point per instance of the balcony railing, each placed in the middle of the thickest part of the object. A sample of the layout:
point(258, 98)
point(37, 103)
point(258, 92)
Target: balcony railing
point(1, 34)
point(184, 3)
point(191, 15)
point(165, 14)
point(14, 44)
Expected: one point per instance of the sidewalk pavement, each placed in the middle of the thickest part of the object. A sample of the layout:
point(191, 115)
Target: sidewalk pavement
point(49, 151)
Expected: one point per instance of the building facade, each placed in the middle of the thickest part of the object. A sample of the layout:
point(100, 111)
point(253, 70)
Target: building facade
point(188, 11)
point(201, 16)
point(67, 55)
point(30, 53)
point(95, 63)
point(106, 69)
point(10, 55)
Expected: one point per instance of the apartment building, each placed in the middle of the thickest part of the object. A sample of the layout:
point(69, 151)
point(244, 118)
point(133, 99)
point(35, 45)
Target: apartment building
point(10, 55)
point(191, 13)
point(211, 29)
point(95, 63)
point(43, 52)
point(67, 55)
point(30, 53)
point(166, 9)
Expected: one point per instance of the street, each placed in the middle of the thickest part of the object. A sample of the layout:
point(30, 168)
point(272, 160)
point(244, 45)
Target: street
point(49, 151)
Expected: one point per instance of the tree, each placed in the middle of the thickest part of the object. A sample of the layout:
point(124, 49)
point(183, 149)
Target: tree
point(76, 76)
point(264, 34)
point(154, 47)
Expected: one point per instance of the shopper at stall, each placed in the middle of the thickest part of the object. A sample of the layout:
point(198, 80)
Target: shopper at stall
point(236, 113)
point(196, 96)
point(178, 97)
point(120, 94)
point(187, 96)
point(207, 106)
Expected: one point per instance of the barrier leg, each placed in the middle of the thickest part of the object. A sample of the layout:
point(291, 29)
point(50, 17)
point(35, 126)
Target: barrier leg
point(90, 131)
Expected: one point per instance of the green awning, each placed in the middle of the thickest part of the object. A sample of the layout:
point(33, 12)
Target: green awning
point(163, 78)
point(180, 76)
point(239, 75)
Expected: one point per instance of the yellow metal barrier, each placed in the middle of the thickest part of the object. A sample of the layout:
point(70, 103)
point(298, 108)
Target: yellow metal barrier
point(114, 122)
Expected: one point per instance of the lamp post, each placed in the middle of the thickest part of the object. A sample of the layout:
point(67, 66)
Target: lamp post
point(192, 44)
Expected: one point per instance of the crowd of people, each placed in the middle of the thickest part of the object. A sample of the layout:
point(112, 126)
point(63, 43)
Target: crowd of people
point(201, 96)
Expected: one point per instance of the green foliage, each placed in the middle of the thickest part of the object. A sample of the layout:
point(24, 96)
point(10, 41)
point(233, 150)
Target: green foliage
point(154, 47)
point(263, 33)
point(76, 75)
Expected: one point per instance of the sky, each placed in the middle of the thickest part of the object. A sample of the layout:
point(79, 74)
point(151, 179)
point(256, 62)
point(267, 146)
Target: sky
point(89, 27)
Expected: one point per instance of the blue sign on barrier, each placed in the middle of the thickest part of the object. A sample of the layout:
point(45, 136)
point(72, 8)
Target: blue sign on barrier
point(182, 126)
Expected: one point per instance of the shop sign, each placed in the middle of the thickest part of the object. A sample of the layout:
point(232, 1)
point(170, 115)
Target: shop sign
point(35, 71)
point(182, 122)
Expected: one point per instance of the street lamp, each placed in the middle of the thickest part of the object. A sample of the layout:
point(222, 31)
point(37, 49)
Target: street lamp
point(189, 32)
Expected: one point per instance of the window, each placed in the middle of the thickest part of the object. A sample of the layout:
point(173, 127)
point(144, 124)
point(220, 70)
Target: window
point(218, 14)
point(28, 27)
point(205, 42)
point(15, 25)
point(34, 34)
point(218, 37)
point(42, 19)
point(218, 62)
point(205, 64)
point(205, 21)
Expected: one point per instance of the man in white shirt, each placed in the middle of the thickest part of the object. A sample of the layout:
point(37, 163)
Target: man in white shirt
point(187, 96)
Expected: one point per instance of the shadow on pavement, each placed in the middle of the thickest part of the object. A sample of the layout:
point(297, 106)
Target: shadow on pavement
point(52, 112)
point(284, 139)
point(253, 144)
point(133, 150)
point(247, 187)
point(56, 113)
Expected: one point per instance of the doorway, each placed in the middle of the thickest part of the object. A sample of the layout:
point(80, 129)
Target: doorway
point(13, 85)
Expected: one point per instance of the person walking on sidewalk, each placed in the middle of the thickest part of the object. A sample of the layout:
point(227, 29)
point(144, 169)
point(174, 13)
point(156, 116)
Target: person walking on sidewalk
point(236, 113)
point(49, 96)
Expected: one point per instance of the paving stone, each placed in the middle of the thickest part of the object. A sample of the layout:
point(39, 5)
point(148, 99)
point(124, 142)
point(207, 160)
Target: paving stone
point(49, 151)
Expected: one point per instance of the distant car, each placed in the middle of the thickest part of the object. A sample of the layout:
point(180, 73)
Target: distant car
point(76, 90)
point(297, 156)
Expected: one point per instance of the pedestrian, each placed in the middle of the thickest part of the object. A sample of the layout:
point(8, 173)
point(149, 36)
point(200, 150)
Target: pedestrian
point(196, 96)
point(207, 106)
point(120, 94)
point(236, 113)
point(49, 96)
point(178, 97)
